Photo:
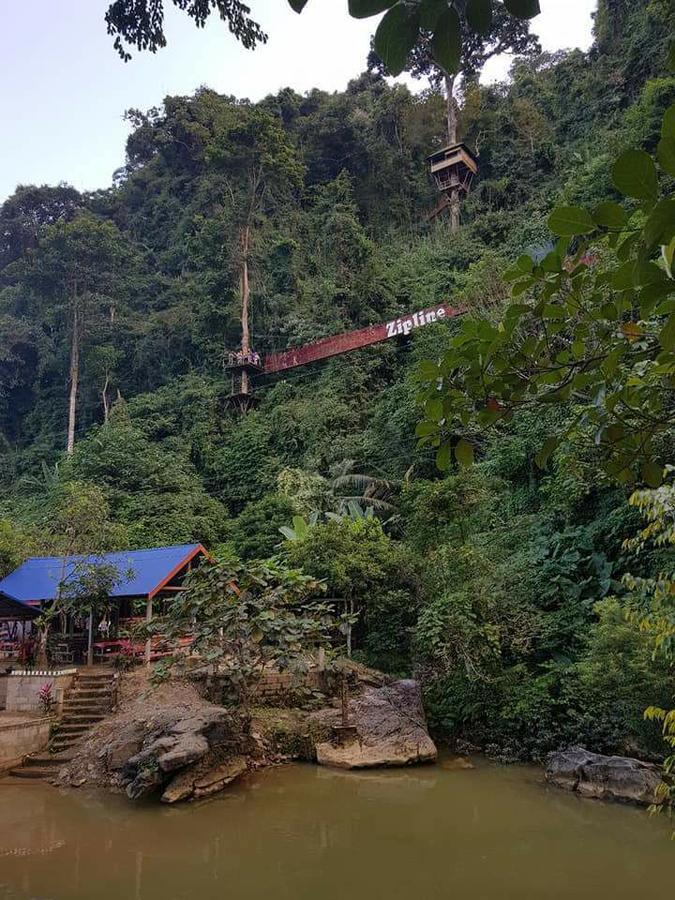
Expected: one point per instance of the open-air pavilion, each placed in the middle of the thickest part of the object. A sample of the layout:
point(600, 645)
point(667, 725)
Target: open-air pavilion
point(144, 580)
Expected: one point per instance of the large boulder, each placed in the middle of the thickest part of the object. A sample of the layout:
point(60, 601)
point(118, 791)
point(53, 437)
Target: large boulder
point(164, 740)
point(388, 729)
point(604, 777)
point(173, 746)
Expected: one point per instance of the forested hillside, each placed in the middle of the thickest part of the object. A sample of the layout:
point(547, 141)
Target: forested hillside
point(499, 584)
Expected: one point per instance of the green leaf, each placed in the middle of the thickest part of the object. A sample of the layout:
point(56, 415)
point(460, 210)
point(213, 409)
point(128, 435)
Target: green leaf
point(428, 369)
point(434, 409)
point(523, 9)
point(479, 15)
point(634, 175)
point(363, 9)
point(610, 215)
point(464, 453)
point(668, 124)
point(570, 221)
point(426, 429)
point(395, 37)
point(652, 473)
point(542, 456)
point(667, 334)
point(665, 153)
point(443, 457)
point(660, 226)
point(446, 44)
point(430, 12)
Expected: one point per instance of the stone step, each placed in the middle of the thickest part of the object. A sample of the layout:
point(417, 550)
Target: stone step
point(85, 719)
point(91, 694)
point(45, 760)
point(32, 772)
point(63, 747)
point(85, 703)
point(107, 677)
point(72, 729)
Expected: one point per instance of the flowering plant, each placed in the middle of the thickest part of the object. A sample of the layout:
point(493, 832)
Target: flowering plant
point(46, 697)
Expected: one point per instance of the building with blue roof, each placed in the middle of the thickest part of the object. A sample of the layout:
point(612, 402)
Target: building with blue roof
point(139, 575)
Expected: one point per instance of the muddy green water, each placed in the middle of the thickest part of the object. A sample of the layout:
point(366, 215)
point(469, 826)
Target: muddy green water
point(301, 832)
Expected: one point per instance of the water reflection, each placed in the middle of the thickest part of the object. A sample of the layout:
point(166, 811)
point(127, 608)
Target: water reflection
point(302, 832)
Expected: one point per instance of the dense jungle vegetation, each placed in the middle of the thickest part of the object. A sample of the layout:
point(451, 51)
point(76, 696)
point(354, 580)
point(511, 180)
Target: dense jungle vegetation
point(499, 584)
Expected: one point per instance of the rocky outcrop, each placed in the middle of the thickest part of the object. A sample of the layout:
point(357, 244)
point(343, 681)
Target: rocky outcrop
point(172, 746)
point(196, 782)
point(388, 728)
point(604, 777)
point(164, 741)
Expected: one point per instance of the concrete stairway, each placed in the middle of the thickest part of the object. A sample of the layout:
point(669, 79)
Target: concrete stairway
point(88, 702)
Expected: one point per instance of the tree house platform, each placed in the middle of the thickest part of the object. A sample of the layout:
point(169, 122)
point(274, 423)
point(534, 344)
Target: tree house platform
point(453, 168)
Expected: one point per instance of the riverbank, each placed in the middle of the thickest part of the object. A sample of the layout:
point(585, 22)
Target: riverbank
point(169, 740)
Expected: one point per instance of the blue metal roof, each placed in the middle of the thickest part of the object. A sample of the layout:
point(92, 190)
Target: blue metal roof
point(142, 572)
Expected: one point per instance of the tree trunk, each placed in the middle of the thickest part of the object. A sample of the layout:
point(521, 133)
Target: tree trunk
point(454, 211)
point(450, 108)
point(104, 395)
point(245, 290)
point(245, 296)
point(74, 378)
point(451, 122)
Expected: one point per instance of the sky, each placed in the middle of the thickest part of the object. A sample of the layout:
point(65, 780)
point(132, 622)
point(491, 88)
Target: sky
point(64, 90)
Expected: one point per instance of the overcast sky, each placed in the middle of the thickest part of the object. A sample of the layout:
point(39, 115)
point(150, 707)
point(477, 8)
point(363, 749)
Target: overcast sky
point(63, 89)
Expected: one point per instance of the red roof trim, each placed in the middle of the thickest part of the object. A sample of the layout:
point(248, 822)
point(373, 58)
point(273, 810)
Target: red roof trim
point(199, 549)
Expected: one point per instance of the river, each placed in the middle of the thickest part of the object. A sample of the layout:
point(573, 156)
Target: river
point(306, 833)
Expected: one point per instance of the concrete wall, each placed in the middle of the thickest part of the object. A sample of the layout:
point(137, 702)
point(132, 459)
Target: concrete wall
point(3, 690)
point(20, 738)
point(24, 687)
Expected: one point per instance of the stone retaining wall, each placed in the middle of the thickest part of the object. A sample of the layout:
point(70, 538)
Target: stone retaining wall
point(23, 688)
point(277, 686)
point(18, 739)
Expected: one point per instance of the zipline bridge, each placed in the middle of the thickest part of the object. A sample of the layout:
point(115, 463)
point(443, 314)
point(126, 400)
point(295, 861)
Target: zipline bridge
point(244, 366)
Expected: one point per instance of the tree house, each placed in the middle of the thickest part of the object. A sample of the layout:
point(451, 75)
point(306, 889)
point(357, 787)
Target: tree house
point(453, 169)
point(242, 366)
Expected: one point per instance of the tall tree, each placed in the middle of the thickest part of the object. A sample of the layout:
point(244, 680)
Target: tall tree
point(260, 169)
point(76, 270)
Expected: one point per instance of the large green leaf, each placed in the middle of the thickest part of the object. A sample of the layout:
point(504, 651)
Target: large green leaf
point(571, 220)
point(665, 153)
point(668, 124)
point(610, 215)
point(667, 335)
point(523, 9)
point(395, 37)
point(430, 12)
point(660, 226)
point(363, 9)
point(446, 45)
point(542, 456)
point(443, 457)
point(479, 15)
point(464, 452)
point(634, 174)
